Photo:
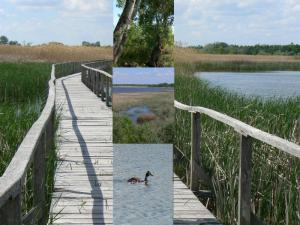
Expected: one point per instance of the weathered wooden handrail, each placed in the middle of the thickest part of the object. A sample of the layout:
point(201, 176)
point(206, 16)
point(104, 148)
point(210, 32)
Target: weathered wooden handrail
point(98, 80)
point(246, 132)
point(33, 151)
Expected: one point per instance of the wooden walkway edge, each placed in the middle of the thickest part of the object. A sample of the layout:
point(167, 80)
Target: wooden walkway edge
point(83, 181)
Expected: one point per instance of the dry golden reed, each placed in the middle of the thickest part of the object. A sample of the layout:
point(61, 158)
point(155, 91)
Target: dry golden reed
point(189, 55)
point(54, 53)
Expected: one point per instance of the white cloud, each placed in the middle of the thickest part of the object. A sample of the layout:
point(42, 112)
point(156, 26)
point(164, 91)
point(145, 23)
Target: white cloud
point(68, 21)
point(236, 21)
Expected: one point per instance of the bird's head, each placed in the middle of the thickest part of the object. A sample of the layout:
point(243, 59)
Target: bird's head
point(149, 174)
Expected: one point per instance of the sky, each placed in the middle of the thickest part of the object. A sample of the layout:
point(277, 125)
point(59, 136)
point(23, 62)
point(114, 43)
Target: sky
point(143, 75)
point(67, 21)
point(237, 21)
point(117, 12)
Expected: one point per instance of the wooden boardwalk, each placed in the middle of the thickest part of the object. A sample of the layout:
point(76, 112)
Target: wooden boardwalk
point(83, 181)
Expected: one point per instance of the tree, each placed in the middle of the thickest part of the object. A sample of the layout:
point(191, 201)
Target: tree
point(123, 25)
point(3, 40)
point(157, 17)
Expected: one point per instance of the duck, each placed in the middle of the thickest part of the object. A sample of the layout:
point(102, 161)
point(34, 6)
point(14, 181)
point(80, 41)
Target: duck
point(134, 180)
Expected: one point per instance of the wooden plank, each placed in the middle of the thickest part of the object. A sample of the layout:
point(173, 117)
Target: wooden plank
point(84, 172)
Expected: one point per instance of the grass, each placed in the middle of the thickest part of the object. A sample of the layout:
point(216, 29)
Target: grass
point(23, 91)
point(275, 195)
point(159, 130)
point(53, 53)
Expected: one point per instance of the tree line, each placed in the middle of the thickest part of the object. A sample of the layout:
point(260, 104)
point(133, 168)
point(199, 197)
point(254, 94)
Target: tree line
point(224, 48)
point(5, 41)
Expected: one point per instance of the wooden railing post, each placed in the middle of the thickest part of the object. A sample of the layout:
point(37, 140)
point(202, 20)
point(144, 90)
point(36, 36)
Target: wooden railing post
point(107, 92)
point(195, 150)
point(97, 84)
point(244, 205)
point(102, 87)
point(39, 167)
point(11, 212)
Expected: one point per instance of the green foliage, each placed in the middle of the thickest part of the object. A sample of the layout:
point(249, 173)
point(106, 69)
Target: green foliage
point(153, 25)
point(275, 197)
point(125, 131)
point(224, 48)
point(90, 44)
point(5, 41)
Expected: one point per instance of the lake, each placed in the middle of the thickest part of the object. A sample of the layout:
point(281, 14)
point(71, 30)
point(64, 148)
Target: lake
point(123, 89)
point(133, 113)
point(282, 84)
point(140, 204)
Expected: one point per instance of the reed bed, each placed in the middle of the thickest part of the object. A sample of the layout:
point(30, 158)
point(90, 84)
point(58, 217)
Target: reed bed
point(190, 55)
point(23, 91)
point(159, 130)
point(275, 179)
point(53, 53)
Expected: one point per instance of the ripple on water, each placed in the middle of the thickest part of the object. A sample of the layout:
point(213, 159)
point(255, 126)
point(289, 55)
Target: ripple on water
point(140, 204)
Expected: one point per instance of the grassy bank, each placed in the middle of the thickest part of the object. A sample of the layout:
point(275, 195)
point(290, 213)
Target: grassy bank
point(159, 130)
point(23, 91)
point(275, 197)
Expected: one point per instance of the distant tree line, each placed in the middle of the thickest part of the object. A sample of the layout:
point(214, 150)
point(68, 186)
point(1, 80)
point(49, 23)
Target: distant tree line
point(90, 44)
point(5, 41)
point(224, 48)
point(148, 85)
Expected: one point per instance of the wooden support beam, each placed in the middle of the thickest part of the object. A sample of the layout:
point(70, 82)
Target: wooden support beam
point(39, 171)
point(244, 201)
point(102, 87)
point(195, 150)
point(107, 92)
point(11, 212)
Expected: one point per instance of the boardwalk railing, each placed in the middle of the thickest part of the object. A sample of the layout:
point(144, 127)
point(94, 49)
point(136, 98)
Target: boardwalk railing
point(30, 159)
point(95, 77)
point(32, 152)
point(247, 133)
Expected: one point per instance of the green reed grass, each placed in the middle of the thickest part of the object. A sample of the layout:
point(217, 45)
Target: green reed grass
point(275, 198)
point(23, 92)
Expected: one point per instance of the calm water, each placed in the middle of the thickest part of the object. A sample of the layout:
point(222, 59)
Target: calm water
point(263, 84)
point(134, 112)
point(141, 89)
point(140, 204)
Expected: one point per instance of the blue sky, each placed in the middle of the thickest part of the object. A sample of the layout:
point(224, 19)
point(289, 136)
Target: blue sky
point(67, 21)
point(237, 21)
point(143, 75)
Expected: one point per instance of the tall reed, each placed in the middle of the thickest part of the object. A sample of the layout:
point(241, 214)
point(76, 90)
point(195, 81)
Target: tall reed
point(275, 197)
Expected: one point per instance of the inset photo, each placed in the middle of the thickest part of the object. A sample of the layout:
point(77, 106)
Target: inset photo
point(143, 33)
point(143, 105)
point(143, 184)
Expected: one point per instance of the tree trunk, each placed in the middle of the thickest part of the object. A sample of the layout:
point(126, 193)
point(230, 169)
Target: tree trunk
point(120, 32)
point(156, 53)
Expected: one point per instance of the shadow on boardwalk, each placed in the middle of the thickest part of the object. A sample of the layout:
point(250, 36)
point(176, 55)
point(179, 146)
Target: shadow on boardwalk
point(96, 192)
